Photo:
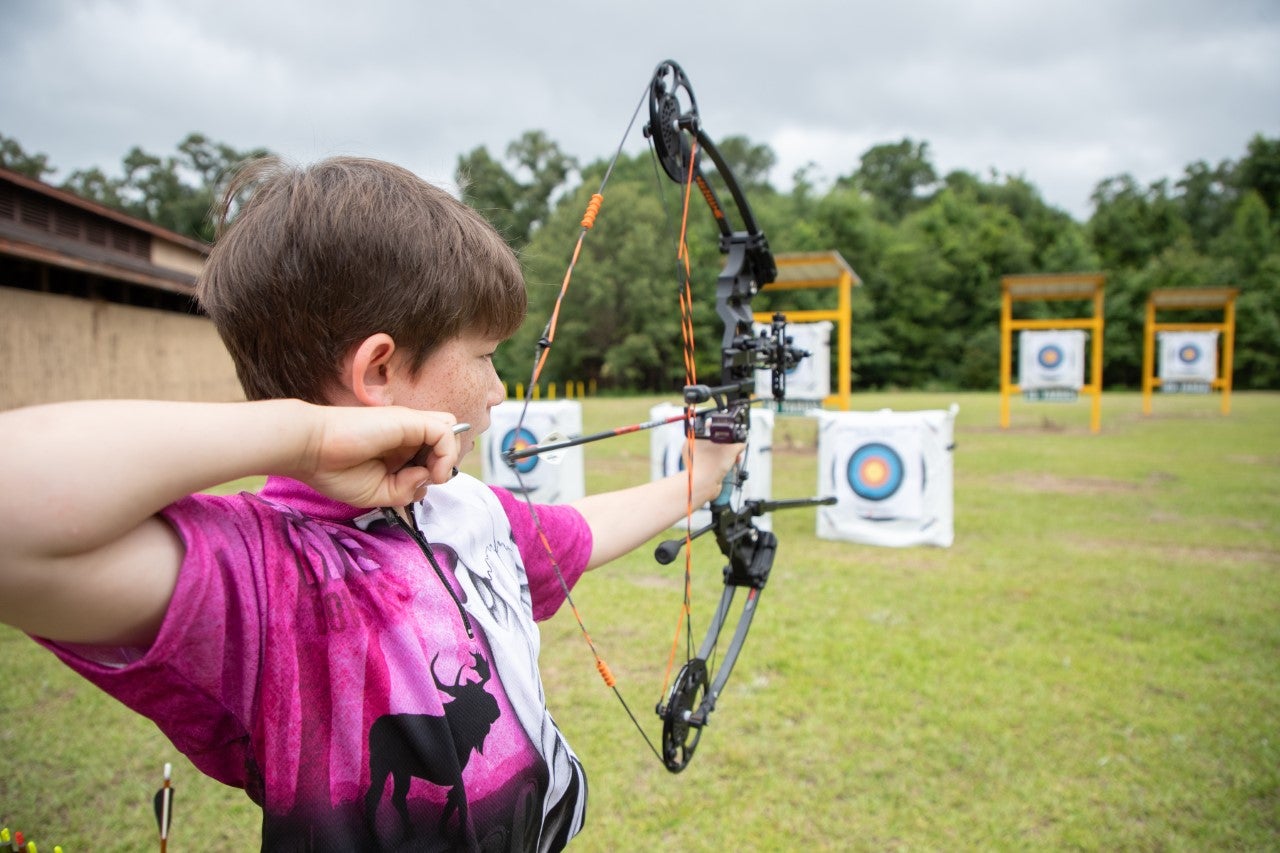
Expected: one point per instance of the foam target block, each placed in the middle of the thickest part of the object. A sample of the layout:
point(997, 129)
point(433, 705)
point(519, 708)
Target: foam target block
point(546, 479)
point(891, 474)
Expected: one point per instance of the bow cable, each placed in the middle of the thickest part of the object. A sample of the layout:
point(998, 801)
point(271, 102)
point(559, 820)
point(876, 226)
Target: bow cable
point(587, 223)
point(544, 349)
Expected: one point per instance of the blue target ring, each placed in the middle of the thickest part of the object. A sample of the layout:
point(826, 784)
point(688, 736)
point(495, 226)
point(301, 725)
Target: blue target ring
point(875, 471)
point(519, 439)
point(1050, 356)
point(1188, 353)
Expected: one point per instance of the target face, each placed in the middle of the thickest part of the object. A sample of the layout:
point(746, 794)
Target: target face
point(520, 439)
point(875, 471)
point(1050, 356)
point(1188, 353)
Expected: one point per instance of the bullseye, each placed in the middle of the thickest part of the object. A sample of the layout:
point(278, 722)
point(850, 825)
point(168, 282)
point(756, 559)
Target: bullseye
point(1189, 353)
point(1050, 356)
point(521, 439)
point(875, 471)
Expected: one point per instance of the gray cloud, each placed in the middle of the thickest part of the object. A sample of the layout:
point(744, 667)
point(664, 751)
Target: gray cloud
point(1063, 94)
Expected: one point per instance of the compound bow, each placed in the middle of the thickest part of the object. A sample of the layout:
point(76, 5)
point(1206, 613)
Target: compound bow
point(678, 140)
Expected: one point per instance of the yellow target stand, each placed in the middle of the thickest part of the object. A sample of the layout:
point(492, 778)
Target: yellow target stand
point(1088, 287)
point(819, 270)
point(1190, 299)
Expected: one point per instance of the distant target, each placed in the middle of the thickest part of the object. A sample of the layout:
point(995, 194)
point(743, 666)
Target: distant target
point(1188, 353)
point(1050, 356)
point(875, 471)
point(673, 457)
point(521, 439)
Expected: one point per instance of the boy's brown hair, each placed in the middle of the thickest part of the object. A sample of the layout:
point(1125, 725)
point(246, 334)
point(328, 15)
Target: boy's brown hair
point(323, 256)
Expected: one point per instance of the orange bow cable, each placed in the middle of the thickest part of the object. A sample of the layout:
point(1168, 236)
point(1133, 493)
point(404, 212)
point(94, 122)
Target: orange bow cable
point(686, 290)
point(606, 674)
point(549, 333)
point(683, 623)
point(587, 223)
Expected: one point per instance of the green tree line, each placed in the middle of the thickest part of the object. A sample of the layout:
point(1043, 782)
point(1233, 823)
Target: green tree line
point(930, 250)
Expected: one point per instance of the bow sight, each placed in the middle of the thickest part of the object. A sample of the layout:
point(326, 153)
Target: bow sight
point(771, 350)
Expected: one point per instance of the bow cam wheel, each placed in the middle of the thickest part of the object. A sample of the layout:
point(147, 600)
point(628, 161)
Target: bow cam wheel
point(680, 731)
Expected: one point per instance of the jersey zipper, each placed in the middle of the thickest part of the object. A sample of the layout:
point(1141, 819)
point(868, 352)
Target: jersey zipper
point(394, 518)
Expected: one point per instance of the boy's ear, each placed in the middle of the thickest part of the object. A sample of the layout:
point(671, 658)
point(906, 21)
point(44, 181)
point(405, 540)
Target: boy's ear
point(367, 370)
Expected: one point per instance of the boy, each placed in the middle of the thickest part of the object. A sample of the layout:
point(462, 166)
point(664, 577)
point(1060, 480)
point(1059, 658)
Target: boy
point(355, 645)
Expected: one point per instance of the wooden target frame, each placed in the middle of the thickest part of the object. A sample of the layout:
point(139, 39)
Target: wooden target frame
point(1089, 287)
point(1190, 299)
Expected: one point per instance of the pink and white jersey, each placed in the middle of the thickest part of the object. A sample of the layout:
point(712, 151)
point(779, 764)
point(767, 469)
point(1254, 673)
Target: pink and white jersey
point(313, 656)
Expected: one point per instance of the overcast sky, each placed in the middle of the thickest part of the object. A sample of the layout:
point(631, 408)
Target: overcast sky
point(1063, 94)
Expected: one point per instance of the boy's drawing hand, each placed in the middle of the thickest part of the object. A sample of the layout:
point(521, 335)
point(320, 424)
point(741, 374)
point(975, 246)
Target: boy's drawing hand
point(365, 456)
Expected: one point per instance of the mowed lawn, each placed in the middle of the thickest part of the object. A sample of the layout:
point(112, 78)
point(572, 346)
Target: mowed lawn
point(1094, 664)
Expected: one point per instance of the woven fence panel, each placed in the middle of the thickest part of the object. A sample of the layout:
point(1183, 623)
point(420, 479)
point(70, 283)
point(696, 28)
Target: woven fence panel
point(63, 348)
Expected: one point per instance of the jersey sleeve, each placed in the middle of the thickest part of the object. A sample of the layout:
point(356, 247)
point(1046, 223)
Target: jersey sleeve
point(197, 681)
point(567, 535)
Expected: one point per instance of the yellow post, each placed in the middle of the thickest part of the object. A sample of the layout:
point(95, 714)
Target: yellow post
point(1099, 323)
point(519, 390)
point(1006, 352)
point(1228, 348)
point(845, 337)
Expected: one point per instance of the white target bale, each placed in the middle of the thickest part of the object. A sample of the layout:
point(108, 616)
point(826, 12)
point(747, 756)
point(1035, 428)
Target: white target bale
point(1188, 361)
point(1051, 360)
point(891, 474)
point(810, 380)
point(545, 479)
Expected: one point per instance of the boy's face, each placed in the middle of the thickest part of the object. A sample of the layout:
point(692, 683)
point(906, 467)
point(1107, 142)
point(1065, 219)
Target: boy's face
point(458, 378)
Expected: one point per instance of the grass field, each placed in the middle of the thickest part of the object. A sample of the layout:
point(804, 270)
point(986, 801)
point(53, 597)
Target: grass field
point(1094, 664)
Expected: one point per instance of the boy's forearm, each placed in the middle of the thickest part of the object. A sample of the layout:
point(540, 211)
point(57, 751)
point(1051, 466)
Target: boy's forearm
point(623, 520)
point(75, 475)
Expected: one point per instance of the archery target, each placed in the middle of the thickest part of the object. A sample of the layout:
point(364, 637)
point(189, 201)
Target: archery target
point(520, 438)
point(883, 472)
point(1188, 357)
point(891, 475)
point(875, 471)
point(811, 378)
point(666, 457)
point(545, 481)
point(1052, 359)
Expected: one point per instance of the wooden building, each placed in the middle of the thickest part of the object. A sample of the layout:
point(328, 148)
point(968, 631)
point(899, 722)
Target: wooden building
point(97, 304)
